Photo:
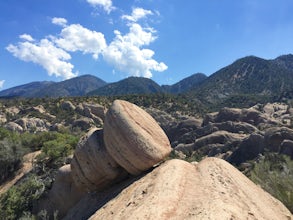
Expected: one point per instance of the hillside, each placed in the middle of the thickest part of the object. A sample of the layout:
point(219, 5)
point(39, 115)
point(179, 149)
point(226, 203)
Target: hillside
point(26, 90)
point(248, 76)
point(131, 85)
point(185, 84)
point(246, 82)
point(77, 86)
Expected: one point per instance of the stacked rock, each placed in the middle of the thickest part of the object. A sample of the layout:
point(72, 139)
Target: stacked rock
point(133, 138)
point(92, 166)
point(131, 142)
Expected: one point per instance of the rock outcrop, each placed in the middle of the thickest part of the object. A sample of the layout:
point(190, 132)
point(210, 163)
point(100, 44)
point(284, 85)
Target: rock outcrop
point(133, 138)
point(33, 124)
point(63, 195)
point(211, 189)
point(118, 172)
point(131, 142)
point(257, 128)
point(92, 166)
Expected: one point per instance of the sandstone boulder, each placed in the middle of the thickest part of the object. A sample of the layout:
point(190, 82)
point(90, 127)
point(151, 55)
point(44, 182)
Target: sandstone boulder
point(95, 109)
point(249, 149)
point(12, 126)
point(67, 105)
point(218, 137)
point(211, 189)
point(211, 144)
point(3, 118)
point(63, 195)
point(12, 110)
point(92, 167)
point(165, 120)
point(33, 124)
point(83, 123)
point(286, 147)
point(250, 116)
point(275, 136)
point(183, 131)
point(133, 138)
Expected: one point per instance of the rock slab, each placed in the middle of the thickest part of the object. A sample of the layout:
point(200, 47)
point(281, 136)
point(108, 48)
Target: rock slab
point(211, 189)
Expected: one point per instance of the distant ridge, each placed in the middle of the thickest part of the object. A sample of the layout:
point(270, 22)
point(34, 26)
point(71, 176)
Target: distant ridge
point(248, 76)
point(247, 80)
point(131, 85)
point(26, 90)
point(77, 86)
point(186, 84)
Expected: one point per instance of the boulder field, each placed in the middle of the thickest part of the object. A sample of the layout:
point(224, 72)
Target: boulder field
point(121, 172)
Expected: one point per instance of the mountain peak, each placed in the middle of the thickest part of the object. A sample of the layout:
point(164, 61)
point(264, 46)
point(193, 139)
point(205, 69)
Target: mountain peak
point(130, 85)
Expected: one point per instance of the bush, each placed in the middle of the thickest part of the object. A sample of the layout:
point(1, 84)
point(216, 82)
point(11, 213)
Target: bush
point(19, 200)
point(11, 153)
point(55, 150)
point(275, 174)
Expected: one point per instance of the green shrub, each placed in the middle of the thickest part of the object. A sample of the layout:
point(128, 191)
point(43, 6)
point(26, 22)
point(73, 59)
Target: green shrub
point(11, 153)
point(54, 151)
point(275, 174)
point(19, 199)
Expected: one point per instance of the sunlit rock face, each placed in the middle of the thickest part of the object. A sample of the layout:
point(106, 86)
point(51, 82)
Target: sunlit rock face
point(92, 166)
point(133, 138)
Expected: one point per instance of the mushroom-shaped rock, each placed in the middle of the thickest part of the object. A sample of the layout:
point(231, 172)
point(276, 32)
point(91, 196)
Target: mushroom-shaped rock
point(92, 167)
point(133, 138)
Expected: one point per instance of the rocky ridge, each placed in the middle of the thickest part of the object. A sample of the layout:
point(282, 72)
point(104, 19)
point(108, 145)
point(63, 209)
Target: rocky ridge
point(227, 133)
point(104, 157)
point(99, 183)
point(240, 136)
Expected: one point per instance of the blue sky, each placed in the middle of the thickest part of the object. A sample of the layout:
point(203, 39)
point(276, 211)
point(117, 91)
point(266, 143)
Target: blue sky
point(164, 40)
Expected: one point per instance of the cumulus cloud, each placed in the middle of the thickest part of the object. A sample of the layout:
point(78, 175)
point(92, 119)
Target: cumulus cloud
point(2, 83)
point(46, 54)
point(125, 52)
point(59, 21)
point(77, 38)
point(105, 4)
point(137, 13)
point(26, 37)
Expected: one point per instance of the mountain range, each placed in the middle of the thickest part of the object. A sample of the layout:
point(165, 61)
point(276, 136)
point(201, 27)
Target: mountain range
point(248, 76)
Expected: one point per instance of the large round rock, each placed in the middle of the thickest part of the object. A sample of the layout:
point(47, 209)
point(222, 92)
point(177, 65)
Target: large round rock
point(133, 138)
point(92, 167)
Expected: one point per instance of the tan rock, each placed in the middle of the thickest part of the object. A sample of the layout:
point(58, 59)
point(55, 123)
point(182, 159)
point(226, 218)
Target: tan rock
point(133, 138)
point(12, 126)
point(63, 195)
point(212, 189)
point(67, 105)
point(3, 118)
point(92, 167)
point(95, 109)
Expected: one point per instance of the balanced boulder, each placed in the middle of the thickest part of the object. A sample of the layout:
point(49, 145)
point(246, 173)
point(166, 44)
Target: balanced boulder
point(133, 138)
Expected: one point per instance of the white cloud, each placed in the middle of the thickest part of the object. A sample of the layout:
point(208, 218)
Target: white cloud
point(77, 38)
point(59, 21)
point(26, 37)
point(125, 52)
point(2, 83)
point(106, 4)
point(46, 54)
point(137, 13)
